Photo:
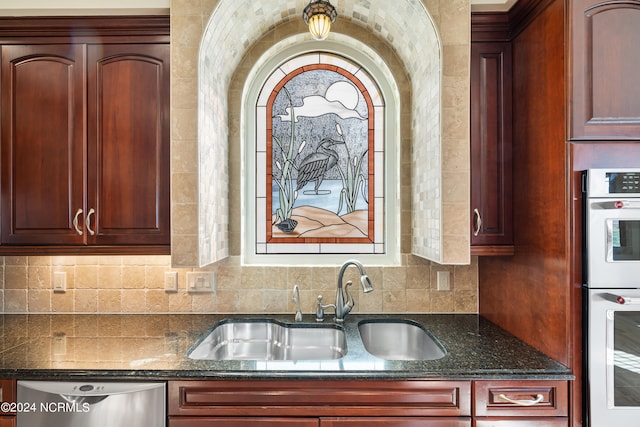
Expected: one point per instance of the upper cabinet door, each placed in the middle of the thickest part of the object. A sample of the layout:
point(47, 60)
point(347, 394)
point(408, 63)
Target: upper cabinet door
point(605, 94)
point(491, 148)
point(128, 144)
point(42, 144)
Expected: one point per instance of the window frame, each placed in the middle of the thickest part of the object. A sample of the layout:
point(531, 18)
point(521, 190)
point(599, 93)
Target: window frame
point(253, 135)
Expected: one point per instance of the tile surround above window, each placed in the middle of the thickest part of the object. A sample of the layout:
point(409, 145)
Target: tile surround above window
point(435, 225)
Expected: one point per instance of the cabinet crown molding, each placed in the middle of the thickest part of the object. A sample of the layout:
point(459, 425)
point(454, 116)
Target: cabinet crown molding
point(81, 29)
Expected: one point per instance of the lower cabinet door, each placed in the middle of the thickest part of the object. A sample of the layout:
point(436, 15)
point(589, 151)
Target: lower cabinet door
point(523, 422)
point(318, 422)
point(241, 422)
point(396, 422)
point(7, 421)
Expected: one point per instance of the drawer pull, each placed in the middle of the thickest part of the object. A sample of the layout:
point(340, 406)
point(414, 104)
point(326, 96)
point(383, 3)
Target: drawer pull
point(503, 397)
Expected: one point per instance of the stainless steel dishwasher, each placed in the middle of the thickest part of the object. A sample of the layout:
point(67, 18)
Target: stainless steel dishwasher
point(91, 404)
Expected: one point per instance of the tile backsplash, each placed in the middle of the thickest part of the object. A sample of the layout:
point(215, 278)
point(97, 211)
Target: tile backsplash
point(135, 284)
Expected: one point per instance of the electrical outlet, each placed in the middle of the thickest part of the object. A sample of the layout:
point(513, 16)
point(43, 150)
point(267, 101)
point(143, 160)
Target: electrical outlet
point(200, 282)
point(59, 344)
point(171, 281)
point(59, 281)
point(444, 281)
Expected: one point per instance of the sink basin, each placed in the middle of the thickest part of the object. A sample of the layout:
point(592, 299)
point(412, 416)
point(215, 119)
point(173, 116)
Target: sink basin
point(399, 340)
point(266, 339)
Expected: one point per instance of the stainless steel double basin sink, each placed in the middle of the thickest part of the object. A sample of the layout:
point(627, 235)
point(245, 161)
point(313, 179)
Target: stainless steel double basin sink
point(270, 339)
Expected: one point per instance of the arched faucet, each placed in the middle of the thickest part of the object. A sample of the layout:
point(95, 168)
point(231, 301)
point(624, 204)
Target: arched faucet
point(344, 301)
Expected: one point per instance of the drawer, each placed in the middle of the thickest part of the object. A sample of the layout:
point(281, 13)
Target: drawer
point(523, 422)
point(241, 422)
point(521, 398)
point(300, 398)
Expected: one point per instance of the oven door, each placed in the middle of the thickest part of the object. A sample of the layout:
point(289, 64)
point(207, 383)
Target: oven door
point(613, 357)
point(613, 243)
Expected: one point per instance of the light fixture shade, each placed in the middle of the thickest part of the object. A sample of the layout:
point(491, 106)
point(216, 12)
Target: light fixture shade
point(319, 26)
point(319, 15)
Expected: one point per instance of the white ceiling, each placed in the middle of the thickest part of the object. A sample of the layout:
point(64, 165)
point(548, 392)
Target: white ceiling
point(149, 7)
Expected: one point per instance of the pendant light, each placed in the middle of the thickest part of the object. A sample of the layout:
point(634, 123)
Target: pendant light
point(319, 15)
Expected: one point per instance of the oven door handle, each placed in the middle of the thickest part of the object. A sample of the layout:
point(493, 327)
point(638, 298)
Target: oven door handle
point(622, 300)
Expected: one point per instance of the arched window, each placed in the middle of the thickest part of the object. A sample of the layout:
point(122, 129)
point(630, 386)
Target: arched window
point(320, 173)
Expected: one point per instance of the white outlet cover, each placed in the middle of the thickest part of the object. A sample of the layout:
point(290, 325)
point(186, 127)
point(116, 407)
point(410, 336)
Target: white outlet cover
point(171, 281)
point(444, 283)
point(59, 281)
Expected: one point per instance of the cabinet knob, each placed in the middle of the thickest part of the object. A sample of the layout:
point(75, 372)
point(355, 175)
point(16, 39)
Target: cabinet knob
point(477, 221)
point(75, 222)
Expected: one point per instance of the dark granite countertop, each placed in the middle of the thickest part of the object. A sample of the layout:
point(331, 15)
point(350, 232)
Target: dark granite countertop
point(155, 347)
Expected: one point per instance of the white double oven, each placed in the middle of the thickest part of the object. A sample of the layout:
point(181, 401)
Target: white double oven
point(612, 296)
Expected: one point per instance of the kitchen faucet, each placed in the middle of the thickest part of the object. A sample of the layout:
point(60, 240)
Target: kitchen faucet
point(344, 301)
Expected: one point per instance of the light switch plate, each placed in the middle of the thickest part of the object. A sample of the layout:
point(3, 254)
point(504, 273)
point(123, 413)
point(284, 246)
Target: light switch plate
point(201, 282)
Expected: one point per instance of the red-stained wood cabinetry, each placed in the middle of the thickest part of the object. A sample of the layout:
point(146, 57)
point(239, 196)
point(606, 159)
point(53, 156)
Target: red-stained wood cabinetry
point(366, 403)
point(85, 142)
point(521, 403)
point(307, 403)
point(7, 394)
point(491, 183)
point(604, 59)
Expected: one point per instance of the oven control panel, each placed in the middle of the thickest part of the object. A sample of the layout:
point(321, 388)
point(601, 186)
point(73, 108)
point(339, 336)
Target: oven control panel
point(624, 182)
point(613, 183)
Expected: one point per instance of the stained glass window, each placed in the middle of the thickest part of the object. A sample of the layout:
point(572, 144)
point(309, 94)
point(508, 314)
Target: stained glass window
point(320, 159)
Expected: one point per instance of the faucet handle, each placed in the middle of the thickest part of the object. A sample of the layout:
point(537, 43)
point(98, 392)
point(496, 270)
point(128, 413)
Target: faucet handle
point(320, 308)
point(296, 301)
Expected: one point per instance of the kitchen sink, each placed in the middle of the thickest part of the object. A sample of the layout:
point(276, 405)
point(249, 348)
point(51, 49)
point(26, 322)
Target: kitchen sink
point(267, 339)
point(399, 339)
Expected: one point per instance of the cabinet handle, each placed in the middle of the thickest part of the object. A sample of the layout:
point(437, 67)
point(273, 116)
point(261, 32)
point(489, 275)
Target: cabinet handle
point(477, 221)
point(88, 222)
point(75, 222)
point(503, 397)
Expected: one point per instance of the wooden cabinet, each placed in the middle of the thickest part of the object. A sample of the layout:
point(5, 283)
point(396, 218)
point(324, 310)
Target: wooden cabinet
point(7, 394)
point(604, 91)
point(243, 422)
point(510, 422)
point(362, 403)
point(521, 403)
point(320, 403)
point(491, 162)
point(85, 146)
point(128, 145)
point(394, 422)
point(316, 422)
point(43, 143)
